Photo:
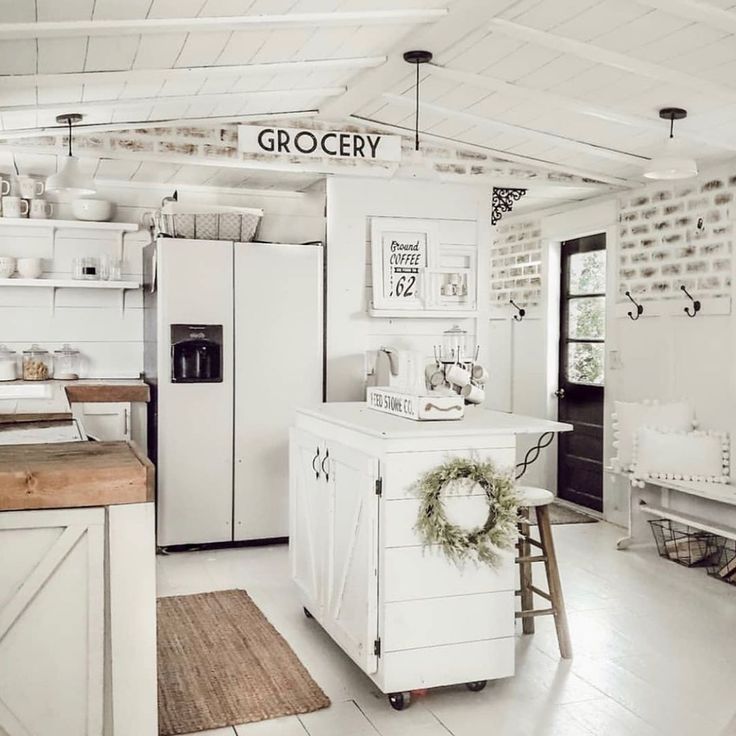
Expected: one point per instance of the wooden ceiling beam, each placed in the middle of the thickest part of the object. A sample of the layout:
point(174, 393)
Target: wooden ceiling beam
point(201, 24)
point(191, 72)
point(599, 55)
point(554, 139)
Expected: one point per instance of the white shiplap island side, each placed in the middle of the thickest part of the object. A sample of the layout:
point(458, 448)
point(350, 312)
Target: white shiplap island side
point(405, 614)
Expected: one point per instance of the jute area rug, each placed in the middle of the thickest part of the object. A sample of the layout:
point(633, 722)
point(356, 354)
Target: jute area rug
point(221, 663)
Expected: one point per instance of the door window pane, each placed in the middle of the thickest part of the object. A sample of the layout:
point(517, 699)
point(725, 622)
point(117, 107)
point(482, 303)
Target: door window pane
point(588, 272)
point(585, 363)
point(587, 318)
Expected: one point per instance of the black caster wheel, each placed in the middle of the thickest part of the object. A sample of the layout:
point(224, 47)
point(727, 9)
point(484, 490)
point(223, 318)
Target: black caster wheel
point(307, 614)
point(477, 686)
point(399, 701)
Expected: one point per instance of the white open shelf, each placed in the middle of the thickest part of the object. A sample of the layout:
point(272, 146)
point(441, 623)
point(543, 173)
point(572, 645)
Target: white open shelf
point(71, 283)
point(50, 224)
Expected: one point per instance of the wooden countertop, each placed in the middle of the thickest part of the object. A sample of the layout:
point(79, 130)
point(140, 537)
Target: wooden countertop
point(73, 474)
point(104, 392)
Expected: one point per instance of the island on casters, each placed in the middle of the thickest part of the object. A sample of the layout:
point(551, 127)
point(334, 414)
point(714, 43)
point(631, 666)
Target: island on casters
point(408, 617)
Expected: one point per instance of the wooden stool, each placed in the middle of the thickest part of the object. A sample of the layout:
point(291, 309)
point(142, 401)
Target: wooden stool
point(539, 499)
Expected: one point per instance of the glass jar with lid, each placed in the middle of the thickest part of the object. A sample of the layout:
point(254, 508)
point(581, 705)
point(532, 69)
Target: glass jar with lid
point(8, 364)
point(66, 363)
point(455, 347)
point(37, 364)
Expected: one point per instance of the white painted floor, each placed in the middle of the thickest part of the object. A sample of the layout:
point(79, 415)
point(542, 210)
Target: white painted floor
point(655, 652)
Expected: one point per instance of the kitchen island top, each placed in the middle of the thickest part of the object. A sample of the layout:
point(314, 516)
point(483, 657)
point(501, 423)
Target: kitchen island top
point(477, 422)
point(73, 474)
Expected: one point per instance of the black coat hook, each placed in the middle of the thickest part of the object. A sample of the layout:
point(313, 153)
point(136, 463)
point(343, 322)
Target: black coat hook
point(522, 312)
point(639, 307)
point(696, 303)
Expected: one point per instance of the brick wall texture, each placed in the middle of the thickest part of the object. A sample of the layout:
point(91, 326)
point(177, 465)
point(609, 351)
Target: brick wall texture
point(516, 260)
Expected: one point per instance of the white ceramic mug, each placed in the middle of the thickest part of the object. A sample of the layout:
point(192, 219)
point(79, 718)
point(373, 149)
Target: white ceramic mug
point(473, 394)
point(4, 187)
point(458, 375)
point(15, 207)
point(29, 187)
point(29, 268)
point(434, 375)
point(480, 374)
point(40, 209)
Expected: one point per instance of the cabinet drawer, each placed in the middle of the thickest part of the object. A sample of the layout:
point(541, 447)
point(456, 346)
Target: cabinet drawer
point(453, 664)
point(399, 517)
point(401, 471)
point(429, 623)
point(409, 573)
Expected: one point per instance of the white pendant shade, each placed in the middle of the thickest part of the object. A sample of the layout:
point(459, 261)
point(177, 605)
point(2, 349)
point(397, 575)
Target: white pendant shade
point(70, 179)
point(671, 164)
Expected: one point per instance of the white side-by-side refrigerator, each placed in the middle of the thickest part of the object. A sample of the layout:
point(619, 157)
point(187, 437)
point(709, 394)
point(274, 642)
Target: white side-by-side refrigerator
point(233, 344)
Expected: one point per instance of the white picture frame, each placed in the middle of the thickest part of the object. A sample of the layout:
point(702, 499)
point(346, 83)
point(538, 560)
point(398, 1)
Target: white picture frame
point(402, 249)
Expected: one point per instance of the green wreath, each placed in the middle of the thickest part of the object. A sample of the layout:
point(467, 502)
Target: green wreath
point(498, 533)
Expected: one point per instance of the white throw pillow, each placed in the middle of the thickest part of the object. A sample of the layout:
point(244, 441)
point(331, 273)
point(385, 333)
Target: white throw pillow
point(630, 416)
point(690, 456)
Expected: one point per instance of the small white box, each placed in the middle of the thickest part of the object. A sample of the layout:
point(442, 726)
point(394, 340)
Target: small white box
point(419, 407)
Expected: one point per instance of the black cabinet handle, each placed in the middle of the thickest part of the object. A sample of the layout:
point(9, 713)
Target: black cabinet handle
point(316, 469)
point(324, 470)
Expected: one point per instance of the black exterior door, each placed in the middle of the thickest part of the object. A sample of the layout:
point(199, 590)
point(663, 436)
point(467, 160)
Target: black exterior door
point(581, 384)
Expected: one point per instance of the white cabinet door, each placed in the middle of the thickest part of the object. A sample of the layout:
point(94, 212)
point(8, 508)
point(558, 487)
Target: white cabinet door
point(104, 421)
point(351, 597)
point(52, 622)
point(278, 367)
point(308, 523)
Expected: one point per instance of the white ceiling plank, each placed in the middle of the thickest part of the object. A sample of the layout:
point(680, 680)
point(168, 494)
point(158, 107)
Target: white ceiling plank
point(116, 10)
point(115, 169)
point(36, 163)
point(225, 7)
point(202, 49)
point(12, 11)
point(464, 17)
point(699, 12)
point(554, 139)
point(18, 57)
point(599, 55)
point(107, 54)
point(158, 52)
point(53, 10)
point(61, 55)
point(118, 104)
point(175, 8)
point(155, 171)
point(116, 28)
point(56, 94)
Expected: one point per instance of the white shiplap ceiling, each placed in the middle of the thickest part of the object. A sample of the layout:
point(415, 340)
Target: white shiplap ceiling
point(570, 85)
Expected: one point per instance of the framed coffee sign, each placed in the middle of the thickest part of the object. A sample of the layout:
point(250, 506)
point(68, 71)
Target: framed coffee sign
point(318, 143)
point(402, 251)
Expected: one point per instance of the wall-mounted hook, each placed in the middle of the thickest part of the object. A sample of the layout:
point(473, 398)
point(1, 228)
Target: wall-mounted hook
point(522, 312)
point(696, 303)
point(700, 224)
point(639, 307)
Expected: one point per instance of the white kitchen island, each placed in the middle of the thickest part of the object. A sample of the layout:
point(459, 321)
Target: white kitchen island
point(405, 614)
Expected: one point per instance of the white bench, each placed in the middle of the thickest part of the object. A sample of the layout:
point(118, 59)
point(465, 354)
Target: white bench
point(709, 507)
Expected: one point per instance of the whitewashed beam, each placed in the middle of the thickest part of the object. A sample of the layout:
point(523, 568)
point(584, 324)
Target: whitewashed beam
point(460, 24)
point(599, 55)
point(694, 10)
point(554, 139)
point(542, 97)
point(116, 104)
point(505, 156)
point(158, 123)
point(192, 72)
point(200, 24)
point(200, 188)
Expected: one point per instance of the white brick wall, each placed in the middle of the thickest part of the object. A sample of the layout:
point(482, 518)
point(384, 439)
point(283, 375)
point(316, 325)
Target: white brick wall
point(516, 261)
point(675, 234)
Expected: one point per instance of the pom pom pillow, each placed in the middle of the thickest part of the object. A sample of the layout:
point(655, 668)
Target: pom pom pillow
point(629, 417)
point(691, 456)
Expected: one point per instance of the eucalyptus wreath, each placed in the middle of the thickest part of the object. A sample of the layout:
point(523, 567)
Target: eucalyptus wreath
point(483, 543)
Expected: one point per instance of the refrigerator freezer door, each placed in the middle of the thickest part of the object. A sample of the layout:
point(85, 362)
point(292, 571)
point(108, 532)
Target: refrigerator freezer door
point(195, 420)
point(278, 348)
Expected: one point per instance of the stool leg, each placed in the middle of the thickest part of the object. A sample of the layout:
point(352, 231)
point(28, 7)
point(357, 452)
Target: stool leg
point(525, 574)
point(553, 581)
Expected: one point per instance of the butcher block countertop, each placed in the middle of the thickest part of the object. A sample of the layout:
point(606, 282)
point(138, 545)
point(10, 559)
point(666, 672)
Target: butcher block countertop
point(73, 474)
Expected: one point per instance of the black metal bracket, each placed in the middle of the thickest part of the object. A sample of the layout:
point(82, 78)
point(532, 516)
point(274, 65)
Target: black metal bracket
point(503, 200)
point(521, 311)
point(639, 308)
point(696, 303)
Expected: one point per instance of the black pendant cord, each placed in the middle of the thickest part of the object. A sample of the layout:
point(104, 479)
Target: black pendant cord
point(672, 127)
point(70, 135)
point(416, 113)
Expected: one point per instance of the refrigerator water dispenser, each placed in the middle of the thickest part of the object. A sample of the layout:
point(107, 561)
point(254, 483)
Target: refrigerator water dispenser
point(196, 353)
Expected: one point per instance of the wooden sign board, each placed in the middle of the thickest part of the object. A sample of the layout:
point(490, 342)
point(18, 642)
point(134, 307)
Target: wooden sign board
point(419, 407)
point(325, 144)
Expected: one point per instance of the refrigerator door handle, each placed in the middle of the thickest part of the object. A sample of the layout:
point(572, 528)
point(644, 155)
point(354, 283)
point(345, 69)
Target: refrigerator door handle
point(316, 469)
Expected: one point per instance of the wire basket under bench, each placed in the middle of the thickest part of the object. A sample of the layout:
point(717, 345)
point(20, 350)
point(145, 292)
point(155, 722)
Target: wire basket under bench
point(683, 544)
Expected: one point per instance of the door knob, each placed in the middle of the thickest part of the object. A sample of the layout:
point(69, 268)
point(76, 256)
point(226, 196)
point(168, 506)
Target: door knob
point(560, 393)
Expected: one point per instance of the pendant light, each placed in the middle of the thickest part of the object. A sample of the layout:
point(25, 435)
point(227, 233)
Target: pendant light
point(417, 57)
point(671, 163)
point(71, 180)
